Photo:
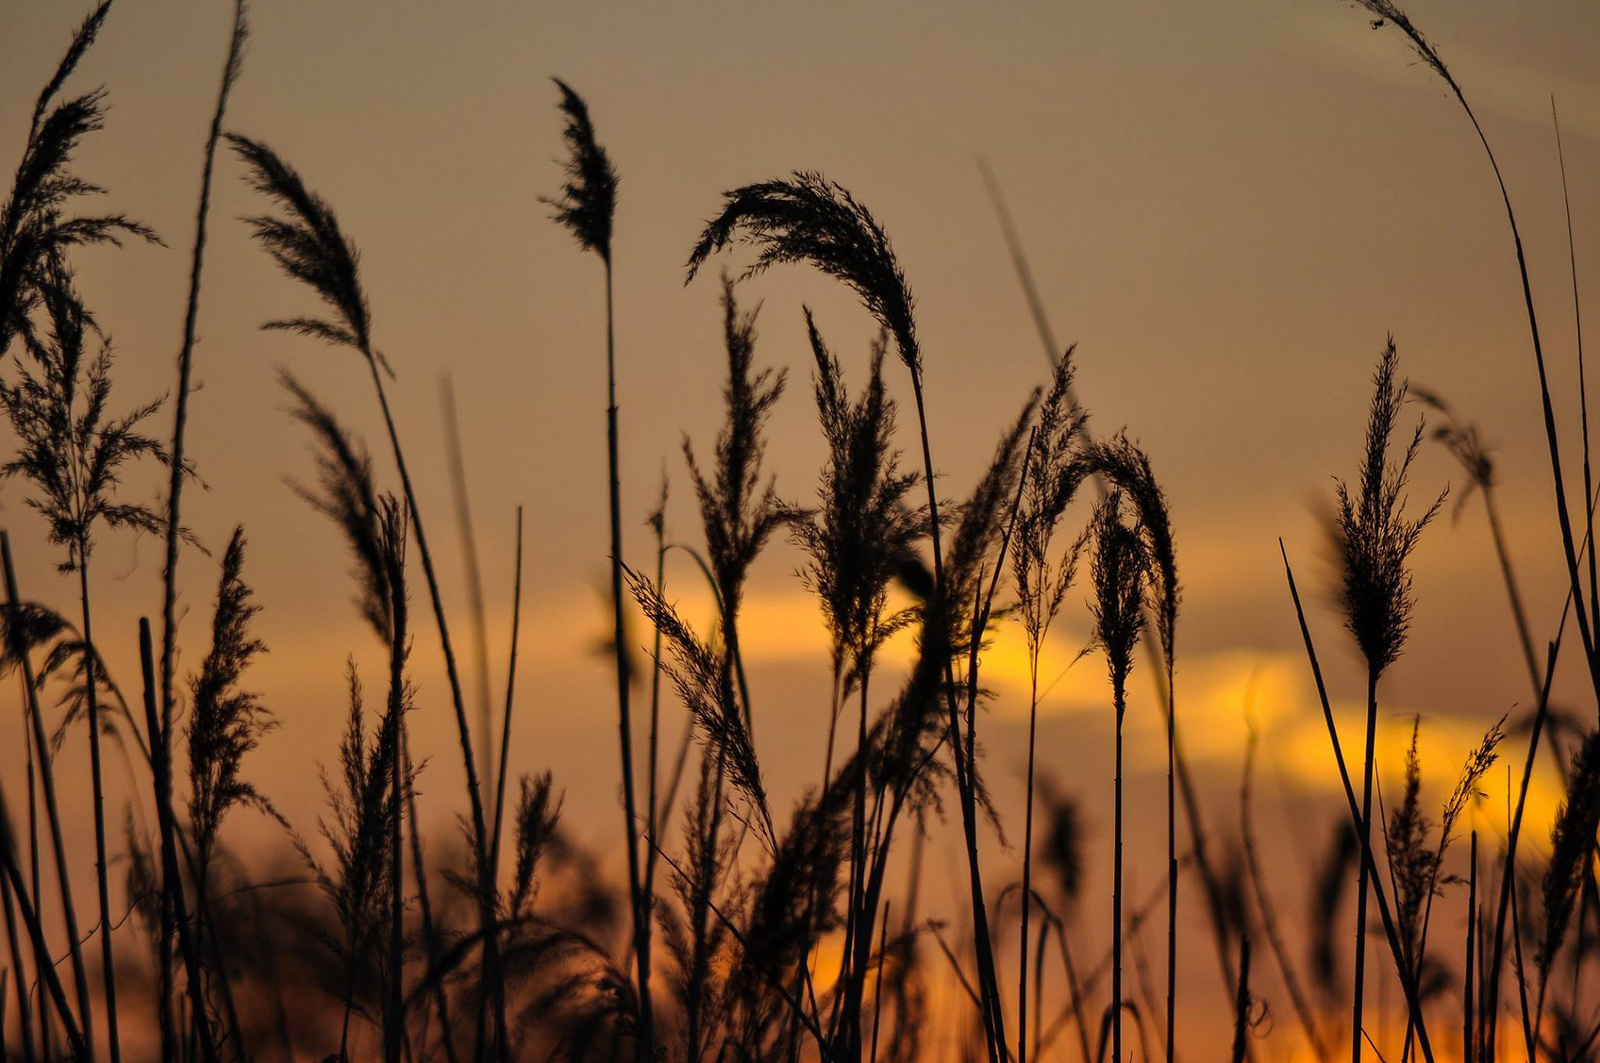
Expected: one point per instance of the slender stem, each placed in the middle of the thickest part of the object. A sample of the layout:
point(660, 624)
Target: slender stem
point(505, 759)
point(469, 550)
point(1472, 922)
point(1241, 1015)
point(107, 958)
point(1508, 876)
point(176, 476)
point(877, 984)
point(394, 1012)
point(1583, 380)
point(644, 1042)
point(1119, 704)
point(1027, 860)
point(1359, 992)
point(1528, 1032)
point(654, 812)
point(505, 725)
point(1172, 866)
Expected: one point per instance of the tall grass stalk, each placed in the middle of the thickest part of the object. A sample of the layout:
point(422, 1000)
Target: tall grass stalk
point(1583, 379)
point(175, 481)
point(505, 740)
point(587, 208)
point(1119, 571)
point(1375, 540)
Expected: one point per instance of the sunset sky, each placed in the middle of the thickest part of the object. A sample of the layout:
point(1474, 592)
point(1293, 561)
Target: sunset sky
point(1228, 206)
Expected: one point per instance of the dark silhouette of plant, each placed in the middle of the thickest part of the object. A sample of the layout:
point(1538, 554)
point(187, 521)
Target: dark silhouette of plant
point(738, 513)
point(36, 234)
point(856, 541)
point(308, 244)
point(175, 484)
point(1119, 571)
point(807, 218)
point(225, 722)
point(1572, 844)
point(587, 208)
point(1387, 12)
point(73, 454)
point(1052, 473)
point(1375, 539)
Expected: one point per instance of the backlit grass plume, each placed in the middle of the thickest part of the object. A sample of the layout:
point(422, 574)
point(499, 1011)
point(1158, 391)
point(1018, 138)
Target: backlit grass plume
point(346, 495)
point(1387, 12)
point(225, 722)
point(808, 218)
point(737, 511)
point(1375, 536)
point(863, 528)
point(307, 244)
point(587, 204)
point(36, 231)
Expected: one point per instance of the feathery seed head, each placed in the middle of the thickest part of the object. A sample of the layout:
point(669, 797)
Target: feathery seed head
point(587, 205)
point(808, 218)
point(1375, 538)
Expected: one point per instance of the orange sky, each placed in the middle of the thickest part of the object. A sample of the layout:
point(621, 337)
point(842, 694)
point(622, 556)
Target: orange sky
point(1227, 205)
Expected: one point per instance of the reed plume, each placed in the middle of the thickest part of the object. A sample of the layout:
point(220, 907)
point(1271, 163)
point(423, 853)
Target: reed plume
point(36, 232)
point(808, 218)
point(309, 245)
point(738, 513)
point(225, 722)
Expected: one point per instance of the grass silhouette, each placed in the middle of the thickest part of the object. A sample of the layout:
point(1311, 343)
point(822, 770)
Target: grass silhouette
point(768, 934)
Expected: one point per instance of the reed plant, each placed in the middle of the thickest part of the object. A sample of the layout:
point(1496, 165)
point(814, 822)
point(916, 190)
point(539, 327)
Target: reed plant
point(1375, 538)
